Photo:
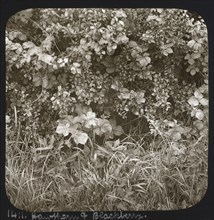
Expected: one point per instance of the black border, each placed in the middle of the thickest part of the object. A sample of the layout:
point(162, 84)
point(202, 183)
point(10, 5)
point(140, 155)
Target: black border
point(204, 210)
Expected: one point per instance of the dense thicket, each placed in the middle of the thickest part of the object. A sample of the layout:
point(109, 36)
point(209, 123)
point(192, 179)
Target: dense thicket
point(90, 67)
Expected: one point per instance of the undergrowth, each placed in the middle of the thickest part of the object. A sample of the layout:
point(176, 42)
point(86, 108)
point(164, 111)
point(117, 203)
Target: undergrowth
point(125, 174)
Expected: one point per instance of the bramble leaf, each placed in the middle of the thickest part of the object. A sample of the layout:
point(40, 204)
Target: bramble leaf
point(191, 43)
point(198, 124)
point(198, 95)
point(37, 80)
point(103, 126)
point(191, 61)
point(140, 98)
point(90, 119)
point(63, 127)
point(47, 43)
point(81, 109)
point(80, 137)
point(175, 135)
point(144, 61)
point(193, 101)
point(28, 44)
point(116, 130)
point(204, 101)
point(45, 58)
point(199, 114)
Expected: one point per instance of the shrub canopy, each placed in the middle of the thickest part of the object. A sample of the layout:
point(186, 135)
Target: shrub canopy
point(117, 63)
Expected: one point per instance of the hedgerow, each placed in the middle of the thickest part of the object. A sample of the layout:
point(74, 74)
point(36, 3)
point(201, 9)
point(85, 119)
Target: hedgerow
point(107, 109)
point(87, 72)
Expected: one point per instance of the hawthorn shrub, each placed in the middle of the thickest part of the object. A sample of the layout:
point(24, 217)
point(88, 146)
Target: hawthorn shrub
point(93, 72)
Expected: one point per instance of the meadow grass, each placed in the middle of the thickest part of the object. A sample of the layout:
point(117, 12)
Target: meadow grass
point(44, 174)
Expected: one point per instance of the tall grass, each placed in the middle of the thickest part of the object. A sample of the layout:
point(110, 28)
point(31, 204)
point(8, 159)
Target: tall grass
point(47, 175)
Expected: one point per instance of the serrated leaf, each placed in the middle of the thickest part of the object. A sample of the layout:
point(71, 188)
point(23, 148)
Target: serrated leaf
point(90, 119)
point(198, 124)
point(22, 37)
point(198, 95)
point(80, 137)
point(47, 43)
point(203, 88)
point(110, 52)
point(140, 98)
point(103, 126)
point(15, 46)
point(34, 50)
point(46, 58)
point(19, 50)
point(187, 57)
point(132, 44)
point(115, 86)
point(78, 119)
point(193, 101)
point(175, 135)
point(63, 127)
point(106, 128)
point(148, 59)
point(196, 55)
point(196, 46)
point(145, 61)
point(80, 109)
point(76, 65)
point(124, 39)
point(204, 101)
point(191, 61)
point(28, 44)
point(102, 41)
point(193, 72)
point(167, 51)
point(191, 43)
point(199, 114)
point(125, 95)
point(118, 130)
point(171, 124)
